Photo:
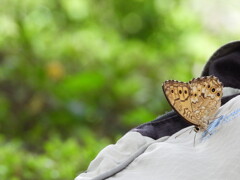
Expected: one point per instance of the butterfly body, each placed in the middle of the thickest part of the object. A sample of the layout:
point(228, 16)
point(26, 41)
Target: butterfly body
point(196, 101)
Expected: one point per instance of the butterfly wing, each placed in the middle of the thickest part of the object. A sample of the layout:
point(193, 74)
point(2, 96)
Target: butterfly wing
point(206, 94)
point(178, 95)
point(196, 101)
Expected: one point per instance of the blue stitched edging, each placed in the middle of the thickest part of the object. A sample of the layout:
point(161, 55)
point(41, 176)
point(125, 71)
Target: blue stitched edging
point(212, 127)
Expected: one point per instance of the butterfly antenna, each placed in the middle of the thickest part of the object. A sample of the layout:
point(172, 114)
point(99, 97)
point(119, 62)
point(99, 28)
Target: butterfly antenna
point(194, 139)
point(182, 133)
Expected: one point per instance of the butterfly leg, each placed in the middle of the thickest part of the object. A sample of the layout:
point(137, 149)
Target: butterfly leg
point(214, 118)
point(194, 139)
point(191, 131)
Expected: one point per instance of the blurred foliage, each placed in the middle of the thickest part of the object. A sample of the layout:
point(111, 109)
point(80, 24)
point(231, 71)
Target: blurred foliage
point(76, 74)
point(59, 159)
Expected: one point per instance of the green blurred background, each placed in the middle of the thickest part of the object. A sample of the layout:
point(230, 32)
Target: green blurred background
point(76, 75)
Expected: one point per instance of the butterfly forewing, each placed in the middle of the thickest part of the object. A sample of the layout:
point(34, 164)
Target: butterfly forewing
point(197, 101)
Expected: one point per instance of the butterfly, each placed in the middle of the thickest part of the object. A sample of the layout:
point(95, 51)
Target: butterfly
point(196, 101)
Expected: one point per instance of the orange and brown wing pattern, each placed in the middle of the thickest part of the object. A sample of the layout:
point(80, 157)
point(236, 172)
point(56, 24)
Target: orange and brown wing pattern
point(178, 95)
point(206, 96)
point(197, 101)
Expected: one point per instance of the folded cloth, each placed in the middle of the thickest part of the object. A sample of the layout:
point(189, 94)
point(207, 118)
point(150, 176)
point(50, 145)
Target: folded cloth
point(146, 152)
point(115, 158)
point(224, 64)
point(215, 155)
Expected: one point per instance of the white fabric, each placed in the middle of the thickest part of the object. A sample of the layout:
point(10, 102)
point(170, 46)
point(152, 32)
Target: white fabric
point(228, 91)
point(215, 156)
point(114, 158)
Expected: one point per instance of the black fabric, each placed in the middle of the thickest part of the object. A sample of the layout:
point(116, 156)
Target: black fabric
point(164, 125)
point(224, 64)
